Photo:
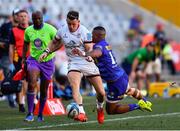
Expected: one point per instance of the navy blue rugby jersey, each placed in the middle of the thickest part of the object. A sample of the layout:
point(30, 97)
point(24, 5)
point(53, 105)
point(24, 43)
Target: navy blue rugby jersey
point(106, 63)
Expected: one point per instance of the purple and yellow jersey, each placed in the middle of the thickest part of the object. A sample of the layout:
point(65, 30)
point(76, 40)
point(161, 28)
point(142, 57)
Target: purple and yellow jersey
point(107, 64)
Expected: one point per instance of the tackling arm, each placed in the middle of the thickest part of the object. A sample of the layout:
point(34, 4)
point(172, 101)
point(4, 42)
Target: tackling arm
point(94, 53)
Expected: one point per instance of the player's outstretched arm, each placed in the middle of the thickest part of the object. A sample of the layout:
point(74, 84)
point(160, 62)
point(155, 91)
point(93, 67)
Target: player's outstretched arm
point(54, 45)
point(94, 53)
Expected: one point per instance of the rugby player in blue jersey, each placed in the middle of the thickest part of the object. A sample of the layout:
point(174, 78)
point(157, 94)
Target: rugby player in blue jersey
point(115, 76)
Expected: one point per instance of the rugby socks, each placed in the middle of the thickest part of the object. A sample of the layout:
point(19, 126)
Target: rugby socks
point(144, 99)
point(30, 101)
point(42, 104)
point(133, 107)
point(81, 109)
point(99, 104)
point(135, 93)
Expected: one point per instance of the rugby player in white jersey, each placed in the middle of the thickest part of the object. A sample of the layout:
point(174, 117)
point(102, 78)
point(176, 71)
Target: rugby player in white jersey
point(74, 35)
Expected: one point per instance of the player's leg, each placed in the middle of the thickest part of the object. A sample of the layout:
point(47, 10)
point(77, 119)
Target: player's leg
point(158, 69)
point(140, 79)
point(33, 73)
point(115, 108)
point(74, 78)
point(91, 71)
point(47, 70)
point(116, 91)
point(44, 84)
point(149, 72)
point(96, 81)
point(22, 96)
point(143, 103)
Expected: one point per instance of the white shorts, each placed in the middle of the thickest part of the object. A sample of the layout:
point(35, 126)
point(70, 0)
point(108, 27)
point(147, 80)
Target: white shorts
point(154, 67)
point(85, 67)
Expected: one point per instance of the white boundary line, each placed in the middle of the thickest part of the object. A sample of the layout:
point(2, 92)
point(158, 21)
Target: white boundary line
point(94, 121)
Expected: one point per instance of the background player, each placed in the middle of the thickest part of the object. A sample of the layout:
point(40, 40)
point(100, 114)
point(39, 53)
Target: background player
point(15, 53)
point(116, 78)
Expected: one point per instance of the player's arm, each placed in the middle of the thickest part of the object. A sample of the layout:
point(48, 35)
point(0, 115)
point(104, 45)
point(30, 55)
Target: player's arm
point(88, 46)
point(135, 64)
point(25, 49)
point(54, 45)
point(11, 47)
point(133, 71)
point(94, 53)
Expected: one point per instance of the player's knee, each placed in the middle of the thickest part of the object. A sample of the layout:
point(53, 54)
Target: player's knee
point(31, 86)
point(110, 109)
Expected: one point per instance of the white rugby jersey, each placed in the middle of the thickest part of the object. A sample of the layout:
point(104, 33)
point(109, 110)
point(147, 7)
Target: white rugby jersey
point(73, 40)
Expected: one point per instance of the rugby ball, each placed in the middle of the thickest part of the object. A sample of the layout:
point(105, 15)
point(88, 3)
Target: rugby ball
point(72, 110)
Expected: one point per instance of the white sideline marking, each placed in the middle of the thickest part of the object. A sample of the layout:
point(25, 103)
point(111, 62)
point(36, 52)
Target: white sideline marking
point(107, 120)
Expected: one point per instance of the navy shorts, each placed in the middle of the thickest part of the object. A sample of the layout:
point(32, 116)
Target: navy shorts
point(117, 89)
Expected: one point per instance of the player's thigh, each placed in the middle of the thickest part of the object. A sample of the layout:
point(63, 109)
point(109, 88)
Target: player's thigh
point(117, 89)
point(149, 68)
point(158, 65)
point(96, 81)
point(74, 78)
point(33, 76)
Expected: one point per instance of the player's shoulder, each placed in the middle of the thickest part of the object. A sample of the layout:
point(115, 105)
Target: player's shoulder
point(143, 51)
point(49, 26)
point(63, 28)
point(100, 45)
point(29, 28)
point(83, 29)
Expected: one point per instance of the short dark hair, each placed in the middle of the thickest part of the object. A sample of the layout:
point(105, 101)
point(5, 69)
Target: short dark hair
point(73, 15)
point(152, 43)
point(99, 28)
point(23, 11)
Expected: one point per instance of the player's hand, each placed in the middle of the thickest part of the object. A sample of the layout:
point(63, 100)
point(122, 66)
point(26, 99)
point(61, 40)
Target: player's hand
point(89, 59)
point(78, 52)
point(43, 56)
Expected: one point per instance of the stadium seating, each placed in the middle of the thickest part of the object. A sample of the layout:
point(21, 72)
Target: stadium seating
point(91, 14)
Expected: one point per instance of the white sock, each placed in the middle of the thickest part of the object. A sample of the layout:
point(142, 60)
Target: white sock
point(99, 104)
point(81, 109)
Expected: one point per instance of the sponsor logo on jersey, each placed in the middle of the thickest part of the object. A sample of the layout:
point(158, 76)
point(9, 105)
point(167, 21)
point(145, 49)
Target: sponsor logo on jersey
point(38, 43)
point(65, 36)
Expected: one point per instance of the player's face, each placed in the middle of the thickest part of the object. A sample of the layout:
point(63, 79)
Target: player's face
point(23, 18)
point(95, 36)
point(37, 19)
point(150, 48)
point(16, 18)
point(73, 24)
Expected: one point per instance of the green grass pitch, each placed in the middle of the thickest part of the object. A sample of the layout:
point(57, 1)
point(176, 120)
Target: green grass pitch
point(165, 116)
